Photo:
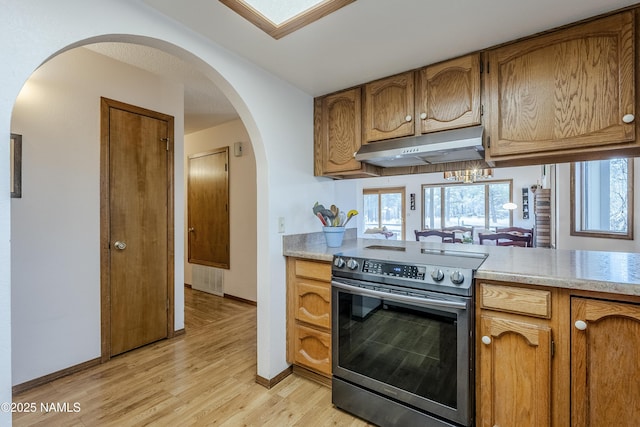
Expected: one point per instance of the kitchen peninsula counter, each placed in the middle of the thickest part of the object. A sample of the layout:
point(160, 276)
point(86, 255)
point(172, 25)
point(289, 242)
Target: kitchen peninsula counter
point(597, 271)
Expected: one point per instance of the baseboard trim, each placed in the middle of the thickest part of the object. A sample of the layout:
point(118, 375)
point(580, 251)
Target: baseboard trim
point(36, 382)
point(246, 301)
point(19, 388)
point(233, 297)
point(313, 376)
point(268, 383)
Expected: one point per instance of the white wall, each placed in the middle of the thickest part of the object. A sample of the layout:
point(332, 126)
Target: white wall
point(563, 211)
point(277, 116)
point(55, 230)
point(349, 192)
point(240, 278)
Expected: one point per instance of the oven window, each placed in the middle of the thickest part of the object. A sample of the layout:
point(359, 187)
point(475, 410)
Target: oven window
point(407, 347)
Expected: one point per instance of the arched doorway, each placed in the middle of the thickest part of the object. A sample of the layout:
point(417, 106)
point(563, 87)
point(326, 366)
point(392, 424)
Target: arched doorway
point(60, 157)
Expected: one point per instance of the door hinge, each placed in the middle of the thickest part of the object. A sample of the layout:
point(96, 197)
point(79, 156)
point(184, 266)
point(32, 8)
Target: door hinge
point(482, 109)
point(225, 167)
point(481, 67)
point(488, 141)
point(167, 140)
point(553, 348)
point(167, 302)
point(488, 68)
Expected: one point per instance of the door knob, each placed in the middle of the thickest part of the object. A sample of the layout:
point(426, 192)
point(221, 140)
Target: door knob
point(120, 245)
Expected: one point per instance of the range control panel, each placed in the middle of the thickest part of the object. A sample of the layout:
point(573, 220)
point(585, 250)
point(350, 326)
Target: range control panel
point(421, 276)
point(396, 270)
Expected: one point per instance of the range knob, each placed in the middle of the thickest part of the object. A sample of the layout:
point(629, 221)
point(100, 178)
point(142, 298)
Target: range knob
point(437, 275)
point(352, 264)
point(457, 278)
point(339, 262)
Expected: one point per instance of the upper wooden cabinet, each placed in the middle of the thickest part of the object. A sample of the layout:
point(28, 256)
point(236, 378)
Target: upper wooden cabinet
point(338, 134)
point(449, 94)
point(566, 92)
point(389, 107)
point(437, 97)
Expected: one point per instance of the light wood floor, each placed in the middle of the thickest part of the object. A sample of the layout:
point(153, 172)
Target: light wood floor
point(204, 377)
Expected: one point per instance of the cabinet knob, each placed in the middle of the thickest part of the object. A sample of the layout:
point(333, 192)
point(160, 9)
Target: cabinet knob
point(628, 118)
point(423, 116)
point(408, 118)
point(486, 340)
point(581, 325)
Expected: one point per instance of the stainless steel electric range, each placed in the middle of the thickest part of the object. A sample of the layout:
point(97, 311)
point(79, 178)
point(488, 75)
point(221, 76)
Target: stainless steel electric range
point(402, 331)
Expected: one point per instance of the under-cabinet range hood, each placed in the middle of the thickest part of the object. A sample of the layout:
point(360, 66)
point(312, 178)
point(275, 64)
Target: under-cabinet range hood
point(438, 147)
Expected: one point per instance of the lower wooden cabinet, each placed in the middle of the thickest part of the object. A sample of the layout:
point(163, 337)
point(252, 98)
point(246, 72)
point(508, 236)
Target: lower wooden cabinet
point(312, 349)
point(515, 380)
point(309, 315)
point(514, 351)
point(556, 357)
point(605, 365)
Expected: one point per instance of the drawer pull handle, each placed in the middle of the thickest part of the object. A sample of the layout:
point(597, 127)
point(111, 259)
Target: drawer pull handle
point(581, 325)
point(486, 340)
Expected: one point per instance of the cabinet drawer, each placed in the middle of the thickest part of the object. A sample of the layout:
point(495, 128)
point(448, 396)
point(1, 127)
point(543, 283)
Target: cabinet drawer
point(313, 270)
point(312, 349)
point(313, 303)
point(531, 302)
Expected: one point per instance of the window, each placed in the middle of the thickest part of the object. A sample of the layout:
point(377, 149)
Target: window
point(468, 205)
point(279, 18)
point(602, 198)
point(384, 207)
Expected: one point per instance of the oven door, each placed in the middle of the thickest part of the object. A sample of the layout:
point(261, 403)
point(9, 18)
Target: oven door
point(412, 347)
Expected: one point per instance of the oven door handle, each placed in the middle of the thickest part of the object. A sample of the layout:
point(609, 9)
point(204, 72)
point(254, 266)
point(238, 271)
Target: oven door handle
point(401, 298)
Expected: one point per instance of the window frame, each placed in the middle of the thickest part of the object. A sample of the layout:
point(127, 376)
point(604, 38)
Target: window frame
point(389, 190)
point(484, 183)
point(294, 23)
point(574, 223)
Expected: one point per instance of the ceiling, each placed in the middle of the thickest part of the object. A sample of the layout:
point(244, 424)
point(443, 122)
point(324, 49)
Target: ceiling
point(363, 41)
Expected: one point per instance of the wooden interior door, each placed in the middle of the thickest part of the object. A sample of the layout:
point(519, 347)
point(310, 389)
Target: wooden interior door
point(208, 208)
point(137, 230)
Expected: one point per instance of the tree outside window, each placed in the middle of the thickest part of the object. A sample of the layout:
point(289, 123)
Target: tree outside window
point(602, 198)
point(384, 208)
point(476, 205)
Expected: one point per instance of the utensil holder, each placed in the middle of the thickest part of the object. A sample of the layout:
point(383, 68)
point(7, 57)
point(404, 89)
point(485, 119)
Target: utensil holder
point(334, 236)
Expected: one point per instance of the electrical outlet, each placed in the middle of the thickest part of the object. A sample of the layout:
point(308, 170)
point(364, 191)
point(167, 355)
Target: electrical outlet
point(281, 224)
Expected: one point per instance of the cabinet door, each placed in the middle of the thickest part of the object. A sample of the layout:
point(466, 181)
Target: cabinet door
point(449, 94)
point(389, 107)
point(605, 370)
point(565, 91)
point(313, 349)
point(515, 373)
point(341, 131)
point(313, 303)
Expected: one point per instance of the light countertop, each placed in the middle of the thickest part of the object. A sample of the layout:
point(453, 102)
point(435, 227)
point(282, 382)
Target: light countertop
point(615, 272)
